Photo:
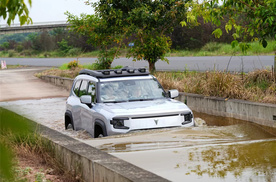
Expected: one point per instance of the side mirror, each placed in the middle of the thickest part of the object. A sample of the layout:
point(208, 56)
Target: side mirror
point(173, 93)
point(86, 99)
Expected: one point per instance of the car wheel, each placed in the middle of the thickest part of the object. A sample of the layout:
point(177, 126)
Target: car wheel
point(68, 123)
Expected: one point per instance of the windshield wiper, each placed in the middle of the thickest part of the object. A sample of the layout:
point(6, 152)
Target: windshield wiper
point(115, 101)
point(134, 100)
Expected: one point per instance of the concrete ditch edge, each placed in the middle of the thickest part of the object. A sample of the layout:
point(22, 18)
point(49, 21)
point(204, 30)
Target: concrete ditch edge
point(260, 113)
point(91, 164)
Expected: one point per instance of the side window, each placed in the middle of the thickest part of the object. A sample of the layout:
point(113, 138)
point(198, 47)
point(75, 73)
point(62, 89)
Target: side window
point(83, 88)
point(77, 87)
point(92, 91)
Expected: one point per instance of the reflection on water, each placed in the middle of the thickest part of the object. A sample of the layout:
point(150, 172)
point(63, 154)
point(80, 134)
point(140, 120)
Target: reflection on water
point(238, 151)
point(247, 162)
point(212, 120)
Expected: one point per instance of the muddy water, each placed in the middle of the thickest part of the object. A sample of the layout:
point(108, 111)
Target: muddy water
point(224, 149)
point(237, 151)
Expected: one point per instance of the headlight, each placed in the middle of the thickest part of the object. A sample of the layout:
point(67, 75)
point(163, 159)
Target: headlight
point(188, 117)
point(119, 123)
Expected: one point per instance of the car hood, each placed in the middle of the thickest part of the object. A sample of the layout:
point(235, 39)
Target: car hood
point(145, 108)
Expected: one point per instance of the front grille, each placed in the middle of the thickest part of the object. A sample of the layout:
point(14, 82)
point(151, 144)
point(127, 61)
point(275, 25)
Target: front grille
point(159, 116)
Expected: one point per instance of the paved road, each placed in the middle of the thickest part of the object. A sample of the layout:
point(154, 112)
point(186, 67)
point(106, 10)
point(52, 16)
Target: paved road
point(235, 63)
point(21, 84)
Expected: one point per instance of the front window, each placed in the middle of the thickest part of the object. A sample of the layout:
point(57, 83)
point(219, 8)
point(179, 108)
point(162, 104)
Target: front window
point(77, 87)
point(131, 90)
point(83, 88)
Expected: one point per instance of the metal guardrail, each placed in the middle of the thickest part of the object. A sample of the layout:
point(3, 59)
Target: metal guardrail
point(35, 27)
point(33, 24)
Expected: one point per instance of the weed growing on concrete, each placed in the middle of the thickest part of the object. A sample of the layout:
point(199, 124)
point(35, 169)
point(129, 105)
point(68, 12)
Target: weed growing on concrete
point(24, 144)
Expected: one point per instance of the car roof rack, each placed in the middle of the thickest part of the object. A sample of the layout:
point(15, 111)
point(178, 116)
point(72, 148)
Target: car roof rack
point(109, 73)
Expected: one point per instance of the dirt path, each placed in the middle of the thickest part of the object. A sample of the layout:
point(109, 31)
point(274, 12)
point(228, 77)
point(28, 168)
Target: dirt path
point(21, 84)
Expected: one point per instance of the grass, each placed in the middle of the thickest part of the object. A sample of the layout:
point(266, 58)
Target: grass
point(19, 141)
point(222, 49)
point(257, 86)
point(210, 49)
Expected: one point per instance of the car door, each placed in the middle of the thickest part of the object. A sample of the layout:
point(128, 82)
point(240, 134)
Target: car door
point(75, 103)
point(87, 112)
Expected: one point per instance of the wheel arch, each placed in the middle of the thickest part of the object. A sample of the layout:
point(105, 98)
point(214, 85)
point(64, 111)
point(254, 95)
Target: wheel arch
point(101, 124)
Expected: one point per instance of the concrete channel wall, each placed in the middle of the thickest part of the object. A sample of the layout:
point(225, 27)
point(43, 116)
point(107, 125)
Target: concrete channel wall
point(91, 164)
point(260, 113)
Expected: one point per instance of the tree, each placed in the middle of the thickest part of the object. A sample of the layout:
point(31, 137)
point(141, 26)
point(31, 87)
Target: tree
point(255, 19)
point(99, 34)
point(148, 22)
point(11, 8)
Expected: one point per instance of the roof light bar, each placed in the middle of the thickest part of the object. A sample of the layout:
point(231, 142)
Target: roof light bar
point(131, 70)
point(125, 71)
point(142, 70)
point(107, 72)
point(118, 71)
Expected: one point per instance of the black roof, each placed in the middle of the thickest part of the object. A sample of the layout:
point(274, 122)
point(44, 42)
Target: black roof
point(109, 73)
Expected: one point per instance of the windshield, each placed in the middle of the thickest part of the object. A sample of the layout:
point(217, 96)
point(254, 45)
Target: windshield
point(131, 90)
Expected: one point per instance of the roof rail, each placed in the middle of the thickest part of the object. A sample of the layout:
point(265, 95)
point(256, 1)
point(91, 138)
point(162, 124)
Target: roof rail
point(125, 71)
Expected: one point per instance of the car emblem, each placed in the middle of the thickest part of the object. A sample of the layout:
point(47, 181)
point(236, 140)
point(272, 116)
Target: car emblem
point(156, 121)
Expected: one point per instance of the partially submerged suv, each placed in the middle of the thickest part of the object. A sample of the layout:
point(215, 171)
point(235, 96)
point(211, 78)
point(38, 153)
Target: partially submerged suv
point(109, 102)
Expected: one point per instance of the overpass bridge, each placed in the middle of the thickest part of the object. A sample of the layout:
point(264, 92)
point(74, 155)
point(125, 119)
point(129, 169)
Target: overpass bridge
point(35, 27)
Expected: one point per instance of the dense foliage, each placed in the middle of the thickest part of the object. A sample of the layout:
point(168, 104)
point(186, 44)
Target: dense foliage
point(249, 18)
point(59, 40)
point(147, 22)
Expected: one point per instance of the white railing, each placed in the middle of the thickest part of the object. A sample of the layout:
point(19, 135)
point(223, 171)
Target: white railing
point(33, 24)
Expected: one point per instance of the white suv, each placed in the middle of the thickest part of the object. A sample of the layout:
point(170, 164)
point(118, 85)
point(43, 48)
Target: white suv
point(109, 102)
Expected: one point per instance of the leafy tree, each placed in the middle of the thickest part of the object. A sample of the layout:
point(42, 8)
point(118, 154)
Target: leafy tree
point(255, 19)
point(64, 47)
point(11, 8)
point(99, 34)
point(148, 22)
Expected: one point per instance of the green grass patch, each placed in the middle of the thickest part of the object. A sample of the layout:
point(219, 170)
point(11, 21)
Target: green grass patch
point(18, 137)
point(13, 128)
point(210, 49)
point(223, 49)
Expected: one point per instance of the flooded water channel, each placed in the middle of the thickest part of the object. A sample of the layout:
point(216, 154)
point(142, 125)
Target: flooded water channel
point(219, 149)
point(237, 151)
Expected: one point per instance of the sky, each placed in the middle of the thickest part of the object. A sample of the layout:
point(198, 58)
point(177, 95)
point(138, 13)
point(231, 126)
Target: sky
point(53, 10)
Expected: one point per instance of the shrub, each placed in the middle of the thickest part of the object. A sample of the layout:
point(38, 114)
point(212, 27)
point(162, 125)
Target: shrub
point(26, 53)
point(73, 64)
point(64, 47)
point(11, 53)
point(19, 48)
point(212, 46)
point(74, 52)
